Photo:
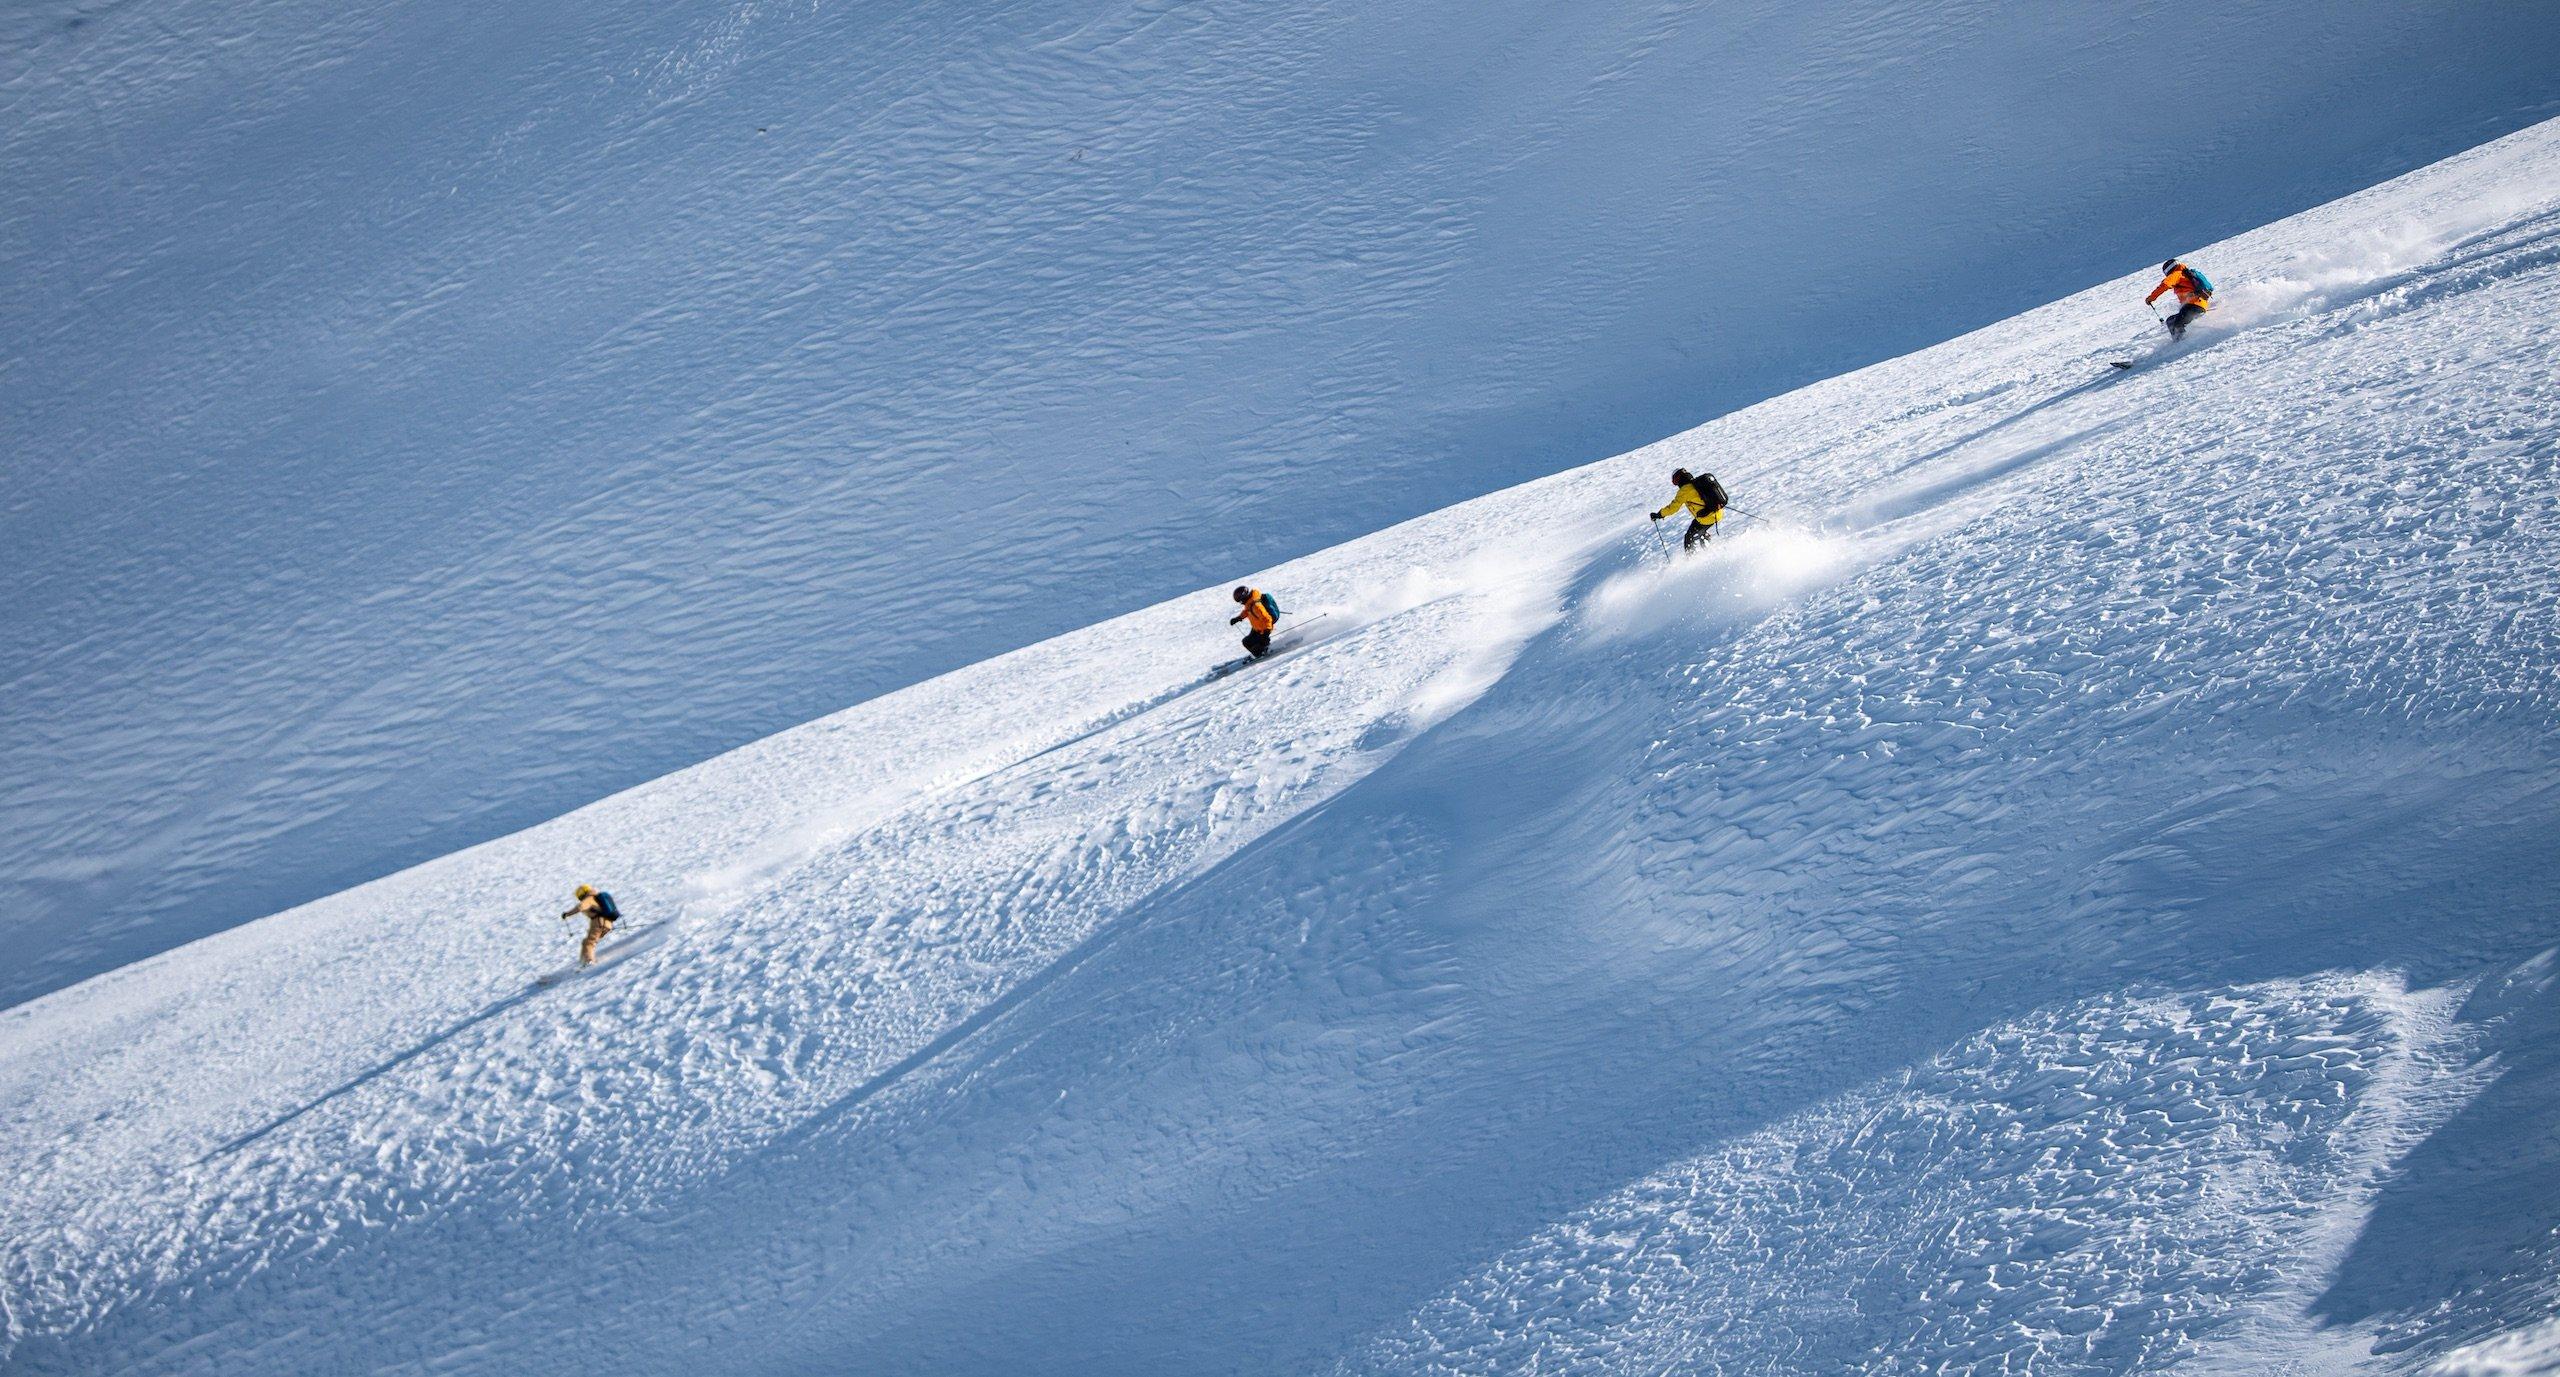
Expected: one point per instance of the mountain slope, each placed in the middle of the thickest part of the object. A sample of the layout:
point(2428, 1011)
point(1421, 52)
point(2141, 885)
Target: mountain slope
point(2063, 888)
point(425, 420)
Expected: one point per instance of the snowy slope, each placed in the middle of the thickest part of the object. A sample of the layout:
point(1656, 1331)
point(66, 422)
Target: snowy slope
point(423, 419)
point(2066, 889)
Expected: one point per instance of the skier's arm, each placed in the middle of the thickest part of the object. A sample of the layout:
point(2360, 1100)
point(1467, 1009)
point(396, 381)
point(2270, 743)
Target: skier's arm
point(2156, 291)
point(1686, 499)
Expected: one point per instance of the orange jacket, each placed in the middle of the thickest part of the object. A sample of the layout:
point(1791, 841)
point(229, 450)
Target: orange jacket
point(2184, 284)
point(1257, 613)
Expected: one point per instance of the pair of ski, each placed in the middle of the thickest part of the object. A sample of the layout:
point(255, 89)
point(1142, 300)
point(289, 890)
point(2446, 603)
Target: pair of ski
point(607, 953)
point(1296, 636)
point(2126, 365)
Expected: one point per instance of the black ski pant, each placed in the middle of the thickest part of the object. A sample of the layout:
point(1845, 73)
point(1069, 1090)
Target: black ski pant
point(1257, 643)
point(1699, 533)
point(2183, 317)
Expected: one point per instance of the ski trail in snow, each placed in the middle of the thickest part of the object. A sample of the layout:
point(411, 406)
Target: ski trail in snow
point(494, 1010)
point(2389, 269)
point(1510, 588)
point(614, 952)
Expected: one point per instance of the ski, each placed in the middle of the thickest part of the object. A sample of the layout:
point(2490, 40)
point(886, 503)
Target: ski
point(1297, 638)
point(606, 955)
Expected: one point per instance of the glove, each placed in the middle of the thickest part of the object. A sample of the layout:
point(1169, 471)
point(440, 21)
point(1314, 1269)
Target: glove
point(1234, 619)
point(1655, 515)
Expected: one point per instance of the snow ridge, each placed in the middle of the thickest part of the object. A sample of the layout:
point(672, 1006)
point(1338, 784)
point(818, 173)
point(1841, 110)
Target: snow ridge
point(2087, 1190)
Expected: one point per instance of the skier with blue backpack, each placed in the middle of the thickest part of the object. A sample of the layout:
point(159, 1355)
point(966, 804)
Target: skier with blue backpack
point(601, 913)
point(2194, 292)
point(1261, 613)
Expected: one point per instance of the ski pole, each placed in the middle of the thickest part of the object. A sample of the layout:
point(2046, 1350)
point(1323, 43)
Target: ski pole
point(1656, 528)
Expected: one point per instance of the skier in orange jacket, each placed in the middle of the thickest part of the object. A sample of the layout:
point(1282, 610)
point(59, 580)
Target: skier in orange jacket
point(2195, 295)
point(1260, 614)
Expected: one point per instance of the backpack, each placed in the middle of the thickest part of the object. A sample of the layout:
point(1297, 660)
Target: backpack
point(1271, 605)
point(612, 910)
point(2204, 285)
point(1711, 490)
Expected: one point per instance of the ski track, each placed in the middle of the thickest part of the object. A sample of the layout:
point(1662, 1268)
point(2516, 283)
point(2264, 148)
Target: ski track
point(2064, 914)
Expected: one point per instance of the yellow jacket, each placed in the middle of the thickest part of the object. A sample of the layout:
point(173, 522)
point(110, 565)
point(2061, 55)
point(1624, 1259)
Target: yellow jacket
point(1690, 500)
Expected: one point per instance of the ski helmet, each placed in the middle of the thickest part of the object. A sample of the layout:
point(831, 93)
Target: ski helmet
point(1243, 592)
point(586, 891)
point(1681, 476)
point(2170, 266)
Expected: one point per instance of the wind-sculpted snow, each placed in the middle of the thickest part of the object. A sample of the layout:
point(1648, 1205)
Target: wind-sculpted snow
point(2087, 1190)
point(2062, 885)
point(421, 419)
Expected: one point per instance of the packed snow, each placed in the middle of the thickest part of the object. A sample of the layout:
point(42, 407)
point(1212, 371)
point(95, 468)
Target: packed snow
point(424, 419)
point(2063, 885)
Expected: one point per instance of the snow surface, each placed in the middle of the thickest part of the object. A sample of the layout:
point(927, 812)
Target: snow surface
point(2065, 887)
point(423, 419)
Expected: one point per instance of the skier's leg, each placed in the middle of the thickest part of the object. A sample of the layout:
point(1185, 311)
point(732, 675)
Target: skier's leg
point(1257, 643)
point(2183, 317)
point(597, 927)
point(1699, 533)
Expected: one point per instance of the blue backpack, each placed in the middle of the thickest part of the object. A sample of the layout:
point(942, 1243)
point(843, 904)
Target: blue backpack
point(2204, 284)
point(1271, 605)
point(612, 910)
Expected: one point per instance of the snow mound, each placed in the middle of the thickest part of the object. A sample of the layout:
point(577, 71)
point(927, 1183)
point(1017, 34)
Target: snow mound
point(2090, 1190)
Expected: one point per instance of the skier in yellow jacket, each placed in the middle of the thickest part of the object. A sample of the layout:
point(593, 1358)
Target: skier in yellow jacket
point(1702, 497)
point(601, 914)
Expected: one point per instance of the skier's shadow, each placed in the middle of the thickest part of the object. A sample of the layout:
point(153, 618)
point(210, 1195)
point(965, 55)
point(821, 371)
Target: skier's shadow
point(1986, 432)
point(1904, 501)
point(375, 1073)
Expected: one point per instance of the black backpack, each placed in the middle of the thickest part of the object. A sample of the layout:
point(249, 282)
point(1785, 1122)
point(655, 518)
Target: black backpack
point(1711, 490)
